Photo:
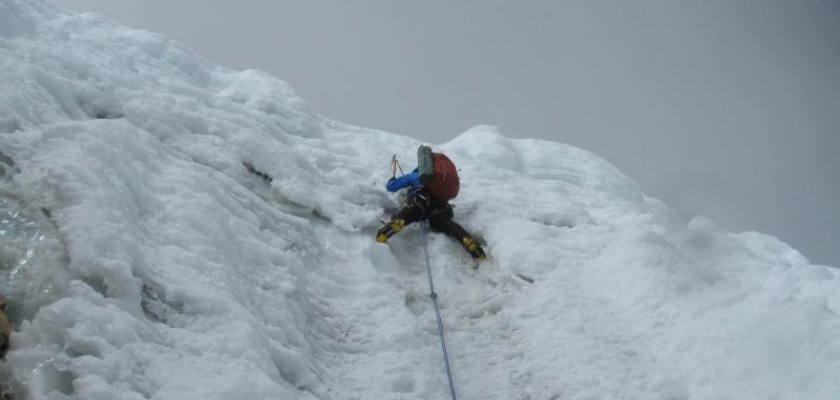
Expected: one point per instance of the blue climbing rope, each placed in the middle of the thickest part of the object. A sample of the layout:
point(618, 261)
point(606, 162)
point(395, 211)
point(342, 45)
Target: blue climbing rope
point(433, 295)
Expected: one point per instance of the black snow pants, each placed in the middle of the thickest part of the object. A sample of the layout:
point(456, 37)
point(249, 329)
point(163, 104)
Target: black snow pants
point(439, 213)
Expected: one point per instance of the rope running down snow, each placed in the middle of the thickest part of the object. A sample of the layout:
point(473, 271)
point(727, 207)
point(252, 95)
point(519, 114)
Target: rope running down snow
point(433, 295)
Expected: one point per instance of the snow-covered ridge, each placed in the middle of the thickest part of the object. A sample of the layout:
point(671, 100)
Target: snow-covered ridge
point(142, 259)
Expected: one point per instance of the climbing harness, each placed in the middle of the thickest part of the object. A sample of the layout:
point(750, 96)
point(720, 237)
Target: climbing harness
point(433, 295)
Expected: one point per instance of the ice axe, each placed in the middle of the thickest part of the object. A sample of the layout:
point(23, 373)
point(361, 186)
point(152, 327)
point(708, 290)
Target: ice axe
point(394, 165)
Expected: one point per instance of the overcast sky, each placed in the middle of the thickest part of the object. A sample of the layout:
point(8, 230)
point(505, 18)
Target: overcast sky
point(729, 109)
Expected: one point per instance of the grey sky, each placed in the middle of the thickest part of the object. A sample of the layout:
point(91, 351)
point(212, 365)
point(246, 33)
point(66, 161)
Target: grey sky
point(729, 109)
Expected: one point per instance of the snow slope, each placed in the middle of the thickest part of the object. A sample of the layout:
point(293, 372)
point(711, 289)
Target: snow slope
point(145, 257)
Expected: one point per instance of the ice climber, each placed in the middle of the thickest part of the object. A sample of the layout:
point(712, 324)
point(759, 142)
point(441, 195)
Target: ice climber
point(430, 187)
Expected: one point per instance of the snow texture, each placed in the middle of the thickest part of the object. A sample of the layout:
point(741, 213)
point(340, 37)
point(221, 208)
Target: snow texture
point(170, 229)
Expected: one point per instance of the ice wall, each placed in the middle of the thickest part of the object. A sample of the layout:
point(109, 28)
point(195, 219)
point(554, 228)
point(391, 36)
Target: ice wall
point(173, 229)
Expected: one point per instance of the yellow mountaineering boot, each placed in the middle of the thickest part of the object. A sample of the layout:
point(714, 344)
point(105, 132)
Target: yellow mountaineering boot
point(473, 248)
point(390, 229)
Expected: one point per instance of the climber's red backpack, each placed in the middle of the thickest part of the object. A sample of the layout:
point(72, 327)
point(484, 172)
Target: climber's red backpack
point(437, 174)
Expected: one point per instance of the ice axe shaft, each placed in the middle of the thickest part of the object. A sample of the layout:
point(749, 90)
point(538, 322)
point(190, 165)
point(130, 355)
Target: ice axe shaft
point(394, 165)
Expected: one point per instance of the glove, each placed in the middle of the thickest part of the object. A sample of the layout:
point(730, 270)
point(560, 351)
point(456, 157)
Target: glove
point(389, 183)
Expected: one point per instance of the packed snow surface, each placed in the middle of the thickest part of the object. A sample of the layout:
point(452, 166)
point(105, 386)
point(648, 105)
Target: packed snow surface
point(171, 229)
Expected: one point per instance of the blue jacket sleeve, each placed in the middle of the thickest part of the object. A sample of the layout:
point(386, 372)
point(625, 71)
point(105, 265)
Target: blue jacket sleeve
point(410, 179)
